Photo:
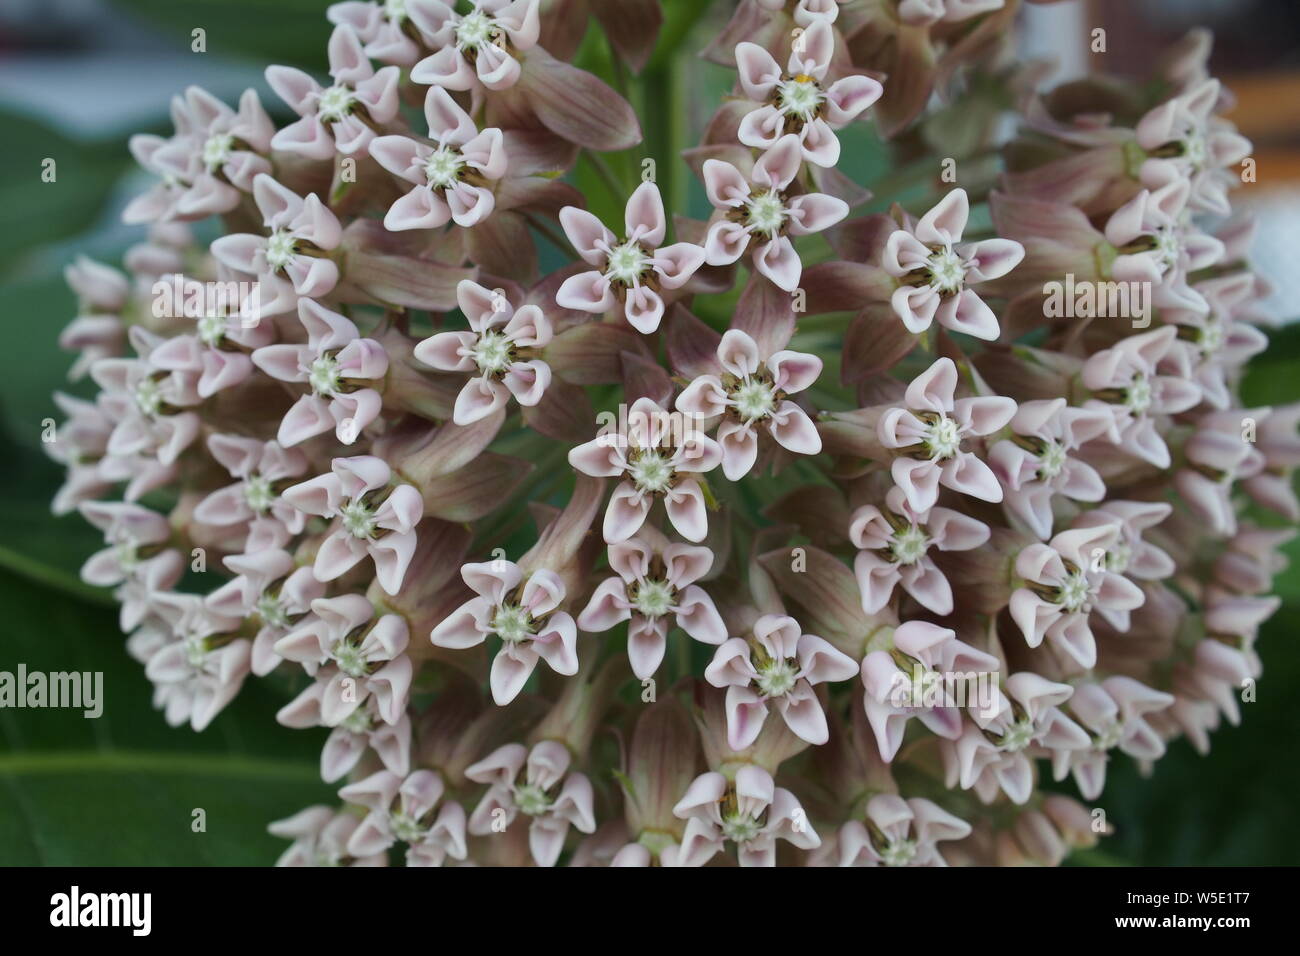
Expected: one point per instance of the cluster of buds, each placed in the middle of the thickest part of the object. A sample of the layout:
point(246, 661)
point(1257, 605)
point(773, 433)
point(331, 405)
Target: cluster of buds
point(848, 469)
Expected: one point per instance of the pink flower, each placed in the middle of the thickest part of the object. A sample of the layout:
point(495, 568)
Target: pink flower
point(919, 13)
point(362, 730)
point(1217, 455)
point(271, 590)
point(201, 670)
point(218, 351)
point(631, 271)
point(750, 811)
point(778, 666)
point(893, 550)
point(797, 100)
point(1184, 140)
point(1065, 580)
point(320, 838)
point(82, 443)
point(761, 217)
point(403, 809)
point(1114, 712)
point(1125, 381)
point(1035, 464)
point(365, 658)
point(1218, 342)
point(338, 365)
point(374, 517)
point(527, 619)
point(342, 116)
point(654, 583)
point(263, 469)
point(893, 696)
point(899, 832)
point(477, 48)
point(134, 535)
point(293, 259)
point(147, 404)
point(929, 433)
point(220, 151)
point(1279, 443)
point(382, 26)
point(657, 456)
point(451, 177)
point(550, 794)
point(97, 331)
point(996, 753)
point(1129, 554)
point(1156, 244)
point(934, 268)
point(500, 349)
point(749, 390)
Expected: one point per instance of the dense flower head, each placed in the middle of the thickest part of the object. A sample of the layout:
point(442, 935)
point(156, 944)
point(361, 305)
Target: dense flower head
point(816, 520)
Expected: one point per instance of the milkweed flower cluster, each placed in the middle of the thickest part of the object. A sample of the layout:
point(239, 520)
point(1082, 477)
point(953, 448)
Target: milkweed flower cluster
point(754, 487)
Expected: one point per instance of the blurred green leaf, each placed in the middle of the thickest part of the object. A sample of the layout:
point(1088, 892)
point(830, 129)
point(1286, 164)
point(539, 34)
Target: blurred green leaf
point(268, 31)
point(33, 211)
point(120, 789)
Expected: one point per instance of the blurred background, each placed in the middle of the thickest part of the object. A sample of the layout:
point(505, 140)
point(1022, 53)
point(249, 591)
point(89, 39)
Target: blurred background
point(77, 77)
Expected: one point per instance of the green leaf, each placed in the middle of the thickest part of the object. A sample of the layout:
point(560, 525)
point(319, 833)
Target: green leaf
point(34, 211)
point(122, 789)
point(267, 31)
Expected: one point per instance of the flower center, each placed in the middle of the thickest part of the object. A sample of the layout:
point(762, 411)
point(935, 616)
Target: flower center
point(754, 399)
point(627, 262)
point(799, 96)
point(279, 249)
point(323, 376)
point(909, 545)
point(1211, 338)
point(272, 612)
point(1051, 460)
point(1109, 737)
point(211, 328)
point(512, 623)
point(947, 271)
point(196, 651)
point(148, 396)
point(1019, 735)
point(1137, 397)
point(216, 150)
point(395, 10)
point(651, 472)
point(335, 103)
point(777, 677)
point(1194, 147)
point(350, 659)
point(654, 598)
point(1168, 248)
point(258, 493)
point(474, 30)
point(357, 722)
point(126, 555)
point(492, 352)
point(944, 437)
point(766, 213)
point(1119, 556)
point(405, 827)
point(358, 520)
point(1075, 590)
point(740, 828)
point(443, 167)
point(531, 799)
point(898, 853)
